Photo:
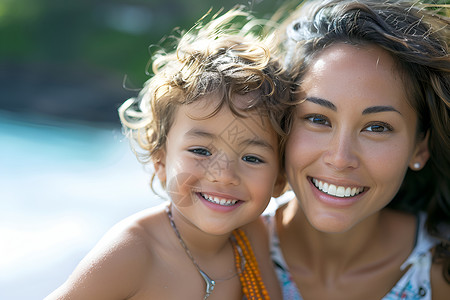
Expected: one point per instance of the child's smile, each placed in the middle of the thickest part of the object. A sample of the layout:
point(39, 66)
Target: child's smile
point(219, 200)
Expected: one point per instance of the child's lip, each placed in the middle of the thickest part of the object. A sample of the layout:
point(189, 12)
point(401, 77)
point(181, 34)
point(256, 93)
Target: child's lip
point(219, 204)
point(219, 198)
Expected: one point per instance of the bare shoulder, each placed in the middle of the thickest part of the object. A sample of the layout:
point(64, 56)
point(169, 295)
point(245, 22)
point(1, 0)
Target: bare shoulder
point(440, 288)
point(257, 233)
point(116, 267)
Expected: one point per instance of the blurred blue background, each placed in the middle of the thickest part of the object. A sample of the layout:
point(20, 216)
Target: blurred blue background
point(66, 172)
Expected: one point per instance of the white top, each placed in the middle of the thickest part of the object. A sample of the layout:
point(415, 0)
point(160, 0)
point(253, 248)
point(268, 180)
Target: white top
point(415, 283)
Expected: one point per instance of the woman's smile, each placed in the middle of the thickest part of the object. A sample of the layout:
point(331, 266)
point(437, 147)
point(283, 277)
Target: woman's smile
point(337, 190)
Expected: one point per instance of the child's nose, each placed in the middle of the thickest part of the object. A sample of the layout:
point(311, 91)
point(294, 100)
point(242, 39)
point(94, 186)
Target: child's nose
point(225, 171)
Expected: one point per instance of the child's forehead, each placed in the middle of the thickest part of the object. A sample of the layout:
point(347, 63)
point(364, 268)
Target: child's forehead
point(208, 117)
point(208, 104)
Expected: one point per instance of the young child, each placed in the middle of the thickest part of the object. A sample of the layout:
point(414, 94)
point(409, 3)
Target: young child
point(209, 121)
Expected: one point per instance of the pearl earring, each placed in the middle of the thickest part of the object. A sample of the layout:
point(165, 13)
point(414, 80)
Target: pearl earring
point(416, 165)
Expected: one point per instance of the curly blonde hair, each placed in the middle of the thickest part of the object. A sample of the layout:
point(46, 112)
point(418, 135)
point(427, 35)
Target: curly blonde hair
point(220, 56)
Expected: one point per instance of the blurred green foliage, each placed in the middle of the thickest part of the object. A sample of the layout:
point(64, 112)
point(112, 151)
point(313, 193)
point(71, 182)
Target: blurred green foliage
point(69, 59)
point(113, 35)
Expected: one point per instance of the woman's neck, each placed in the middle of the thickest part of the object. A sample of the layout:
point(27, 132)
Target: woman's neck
point(331, 253)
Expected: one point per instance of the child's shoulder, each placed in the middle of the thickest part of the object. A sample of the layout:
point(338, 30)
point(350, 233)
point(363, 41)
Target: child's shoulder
point(141, 227)
point(138, 239)
point(117, 265)
point(257, 234)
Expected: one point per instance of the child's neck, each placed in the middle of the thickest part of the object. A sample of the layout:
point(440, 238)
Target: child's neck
point(197, 241)
point(213, 256)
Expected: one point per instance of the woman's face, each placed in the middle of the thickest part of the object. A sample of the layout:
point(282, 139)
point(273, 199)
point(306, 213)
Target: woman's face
point(353, 137)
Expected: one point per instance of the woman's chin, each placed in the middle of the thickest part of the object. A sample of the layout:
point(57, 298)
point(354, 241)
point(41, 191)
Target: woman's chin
point(331, 223)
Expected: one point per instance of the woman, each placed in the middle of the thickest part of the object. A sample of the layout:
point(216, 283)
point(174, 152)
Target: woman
point(368, 153)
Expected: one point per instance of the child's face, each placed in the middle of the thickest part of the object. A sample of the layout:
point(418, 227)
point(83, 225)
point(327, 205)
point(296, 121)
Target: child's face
point(221, 171)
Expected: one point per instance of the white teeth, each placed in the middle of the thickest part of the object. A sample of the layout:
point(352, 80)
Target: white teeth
point(332, 189)
point(348, 192)
point(337, 191)
point(340, 192)
point(220, 201)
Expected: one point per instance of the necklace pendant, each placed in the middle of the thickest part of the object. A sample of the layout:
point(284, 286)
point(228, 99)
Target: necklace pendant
point(210, 284)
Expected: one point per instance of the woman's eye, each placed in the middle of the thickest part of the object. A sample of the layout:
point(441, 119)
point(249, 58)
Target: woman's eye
point(252, 159)
point(379, 127)
point(318, 119)
point(200, 151)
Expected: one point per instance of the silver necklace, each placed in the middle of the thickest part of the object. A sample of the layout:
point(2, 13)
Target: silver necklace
point(210, 283)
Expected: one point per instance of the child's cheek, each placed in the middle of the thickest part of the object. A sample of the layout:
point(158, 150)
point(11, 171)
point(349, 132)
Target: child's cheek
point(183, 182)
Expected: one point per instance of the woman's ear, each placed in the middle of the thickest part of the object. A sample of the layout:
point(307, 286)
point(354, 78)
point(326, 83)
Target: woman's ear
point(421, 154)
point(159, 163)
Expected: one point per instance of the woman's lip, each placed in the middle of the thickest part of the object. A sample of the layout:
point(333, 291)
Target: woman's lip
point(337, 182)
point(339, 202)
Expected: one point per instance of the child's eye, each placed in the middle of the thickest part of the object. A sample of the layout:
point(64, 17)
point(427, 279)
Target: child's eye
point(252, 159)
point(378, 127)
point(318, 119)
point(200, 151)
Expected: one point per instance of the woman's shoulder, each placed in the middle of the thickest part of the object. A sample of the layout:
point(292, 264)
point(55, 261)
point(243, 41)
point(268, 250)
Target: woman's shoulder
point(439, 285)
point(440, 267)
point(423, 273)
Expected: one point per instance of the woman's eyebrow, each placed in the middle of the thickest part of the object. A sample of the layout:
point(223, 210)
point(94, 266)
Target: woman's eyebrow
point(322, 102)
point(369, 110)
point(377, 109)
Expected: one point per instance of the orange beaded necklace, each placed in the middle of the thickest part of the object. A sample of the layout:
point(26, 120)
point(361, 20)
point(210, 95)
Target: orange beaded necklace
point(251, 282)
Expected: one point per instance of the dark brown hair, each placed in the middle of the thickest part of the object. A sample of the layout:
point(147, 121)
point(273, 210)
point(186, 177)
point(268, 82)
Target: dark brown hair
point(416, 36)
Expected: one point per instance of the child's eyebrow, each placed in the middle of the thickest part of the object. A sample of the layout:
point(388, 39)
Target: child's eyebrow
point(196, 132)
point(256, 142)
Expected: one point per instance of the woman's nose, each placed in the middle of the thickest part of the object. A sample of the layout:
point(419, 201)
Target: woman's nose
point(341, 152)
